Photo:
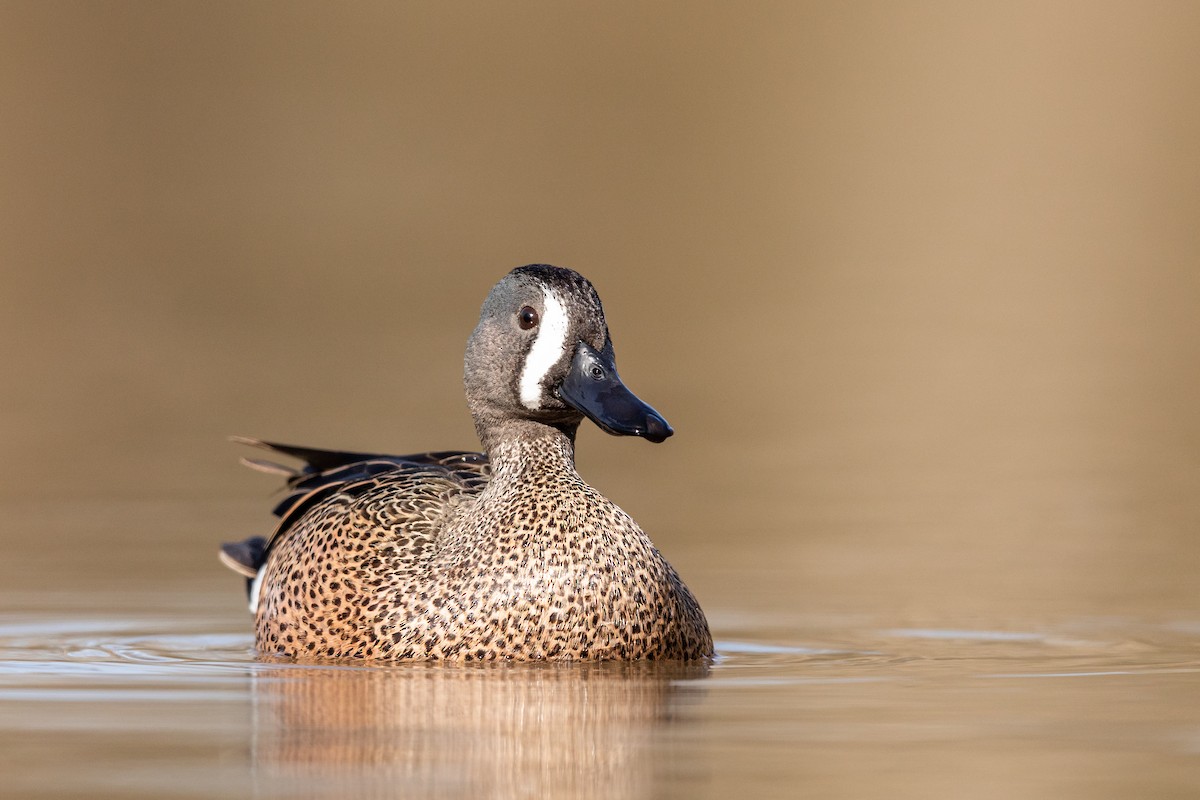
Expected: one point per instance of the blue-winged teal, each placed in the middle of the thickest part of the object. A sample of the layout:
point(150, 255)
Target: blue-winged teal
point(466, 556)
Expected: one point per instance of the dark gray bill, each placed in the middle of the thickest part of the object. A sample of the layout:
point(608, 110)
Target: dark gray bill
point(593, 386)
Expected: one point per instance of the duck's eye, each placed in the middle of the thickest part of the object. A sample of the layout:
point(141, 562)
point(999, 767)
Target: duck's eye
point(527, 317)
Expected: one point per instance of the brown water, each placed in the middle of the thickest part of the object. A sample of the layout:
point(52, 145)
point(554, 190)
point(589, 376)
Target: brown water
point(916, 284)
point(173, 704)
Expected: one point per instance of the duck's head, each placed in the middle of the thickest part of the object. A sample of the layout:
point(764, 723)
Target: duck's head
point(541, 352)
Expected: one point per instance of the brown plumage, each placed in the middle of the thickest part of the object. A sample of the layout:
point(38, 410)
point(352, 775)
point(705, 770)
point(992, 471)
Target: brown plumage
point(462, 556)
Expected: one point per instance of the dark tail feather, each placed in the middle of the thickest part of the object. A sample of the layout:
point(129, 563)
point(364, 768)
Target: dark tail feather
point(318, 460)
point(245, 557)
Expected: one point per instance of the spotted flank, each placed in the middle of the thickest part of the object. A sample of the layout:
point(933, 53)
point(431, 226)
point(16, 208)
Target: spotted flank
point(464, 556)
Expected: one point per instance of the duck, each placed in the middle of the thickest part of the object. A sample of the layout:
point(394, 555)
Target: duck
point(501, 555)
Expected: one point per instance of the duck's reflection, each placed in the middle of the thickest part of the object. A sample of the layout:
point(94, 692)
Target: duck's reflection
point(508, 730)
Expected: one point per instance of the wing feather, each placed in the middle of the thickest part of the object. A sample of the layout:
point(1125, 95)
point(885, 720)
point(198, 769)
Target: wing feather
point(420, 487)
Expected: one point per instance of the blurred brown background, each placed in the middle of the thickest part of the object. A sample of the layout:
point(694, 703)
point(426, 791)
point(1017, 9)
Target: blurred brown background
point(916, 283)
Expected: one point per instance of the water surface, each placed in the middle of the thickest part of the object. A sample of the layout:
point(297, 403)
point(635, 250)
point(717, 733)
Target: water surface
point(176, 705)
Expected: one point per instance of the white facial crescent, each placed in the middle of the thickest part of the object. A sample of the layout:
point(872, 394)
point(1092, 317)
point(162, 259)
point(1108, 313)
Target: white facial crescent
point(546, 350)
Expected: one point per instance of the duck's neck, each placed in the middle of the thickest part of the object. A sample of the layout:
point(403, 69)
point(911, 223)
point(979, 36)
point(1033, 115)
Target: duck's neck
point(518, 447)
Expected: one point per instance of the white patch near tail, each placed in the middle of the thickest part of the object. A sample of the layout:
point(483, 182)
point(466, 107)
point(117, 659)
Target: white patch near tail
point(547, 349)
point(256, 588)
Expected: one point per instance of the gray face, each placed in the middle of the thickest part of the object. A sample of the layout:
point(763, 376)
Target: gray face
point(541, 351)
point(529, 329)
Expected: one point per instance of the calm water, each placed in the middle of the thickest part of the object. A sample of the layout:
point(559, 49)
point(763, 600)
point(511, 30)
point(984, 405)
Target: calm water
point(174, 704)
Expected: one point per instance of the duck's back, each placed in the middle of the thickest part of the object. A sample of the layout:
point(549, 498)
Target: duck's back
point(417, 557)
point(353, 528)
